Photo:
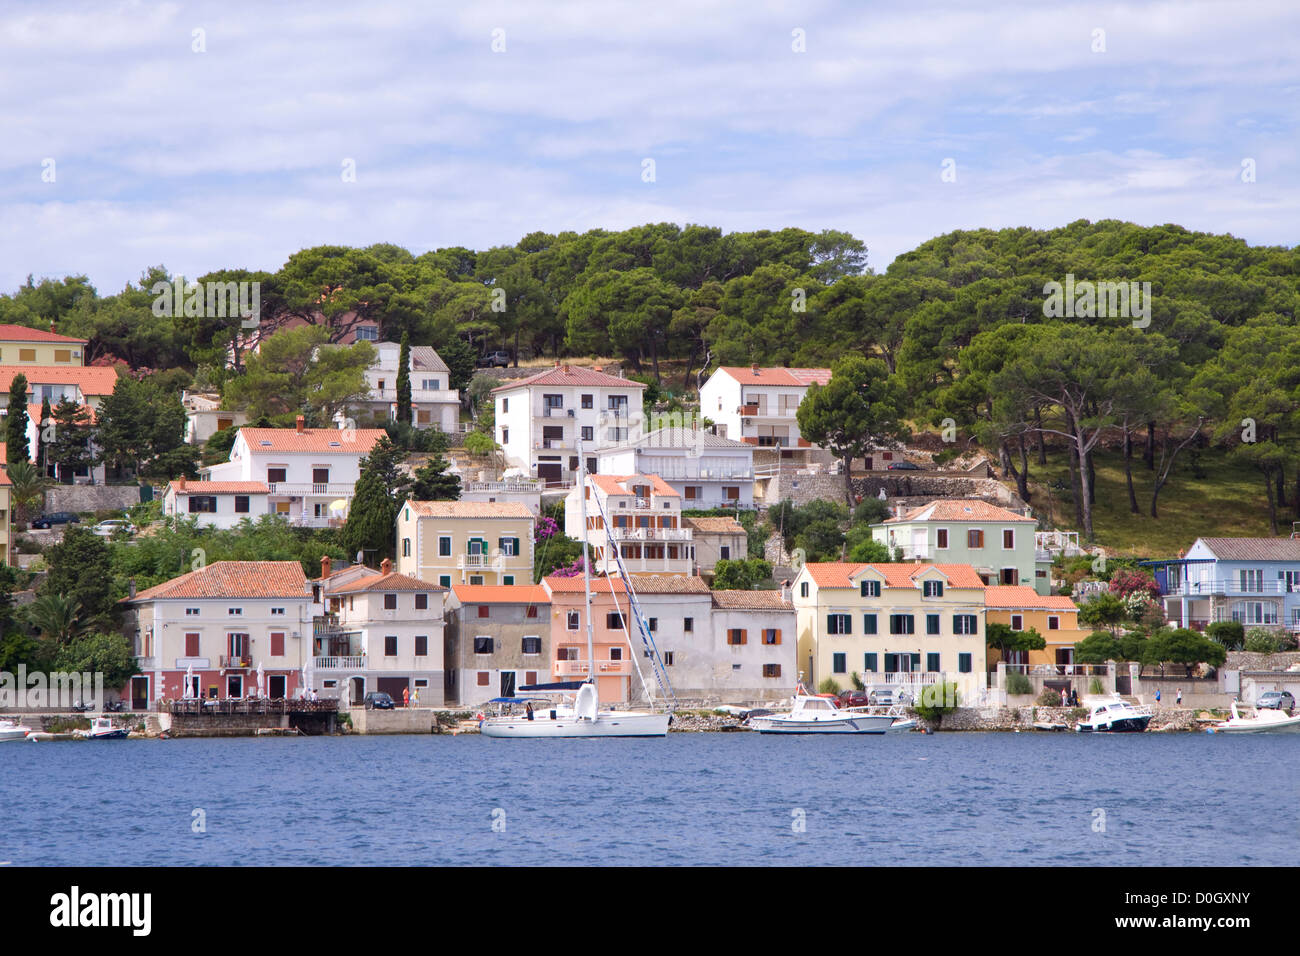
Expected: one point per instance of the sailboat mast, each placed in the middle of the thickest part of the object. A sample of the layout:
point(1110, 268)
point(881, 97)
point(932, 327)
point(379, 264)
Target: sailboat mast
point(586, 564)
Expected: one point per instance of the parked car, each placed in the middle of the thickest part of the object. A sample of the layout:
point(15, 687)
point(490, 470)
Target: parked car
point(378, 700)
point(1276, 700)
point(853, 698)
point(497, 359)
point(56, 517)
point(881, 698)
point(904, 466)
point(106, 529)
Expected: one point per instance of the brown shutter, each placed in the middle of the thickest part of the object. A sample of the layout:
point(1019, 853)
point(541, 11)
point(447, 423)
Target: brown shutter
point(277, 644)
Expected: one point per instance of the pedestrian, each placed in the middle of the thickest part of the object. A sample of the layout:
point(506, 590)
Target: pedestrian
point(1157, 695)
point(1179, 699)
point(529, 708)
point(415, 698)
point(406, 696)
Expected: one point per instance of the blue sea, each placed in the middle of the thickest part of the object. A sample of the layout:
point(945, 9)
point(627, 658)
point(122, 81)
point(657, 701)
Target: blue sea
point(716, 798)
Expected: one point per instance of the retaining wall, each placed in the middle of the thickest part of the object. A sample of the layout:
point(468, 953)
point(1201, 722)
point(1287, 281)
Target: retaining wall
point(91, 497)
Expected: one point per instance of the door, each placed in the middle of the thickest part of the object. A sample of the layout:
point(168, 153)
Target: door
point(358, 690)
point(919, 548)
point(235, 685)
point(393, 687)
point(550, 472)
point(276, 686)
point(139, 693)
point(1064, 658)
point(507, 683)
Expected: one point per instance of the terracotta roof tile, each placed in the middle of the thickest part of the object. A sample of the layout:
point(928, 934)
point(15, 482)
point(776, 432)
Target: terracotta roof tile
point(21, 333)
point(715, 525)
point(843, 574)
point(314, 440)
point(959, 509)
point(642, 583)
point(1020, 596)
point(233, 579)
point(622, 484)
point(756, 600)
point(392, 581)
point(470, 509)
point(789, 377)
point(92, 380)
point(571, 375)
point(219, 488)
point(501, 594)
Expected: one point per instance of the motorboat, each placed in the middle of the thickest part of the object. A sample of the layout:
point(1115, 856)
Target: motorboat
point(1263, 720)
point(13, 731)
point(1113, 715)
point(815, 714)
point(101, 728)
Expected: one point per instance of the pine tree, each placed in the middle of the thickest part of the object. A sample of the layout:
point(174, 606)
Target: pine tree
point(379, 494)
point(16, 421)
point(432, 483)
point(404, 380)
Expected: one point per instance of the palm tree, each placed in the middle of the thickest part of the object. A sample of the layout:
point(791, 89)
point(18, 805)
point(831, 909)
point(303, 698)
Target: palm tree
point(28, 491)
point(56, 617)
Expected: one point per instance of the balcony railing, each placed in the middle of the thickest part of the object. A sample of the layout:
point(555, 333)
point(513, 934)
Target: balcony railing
point(582, 668)
point(1216, 586)
point(355, 662)
point(310, 488)
point(479, 561)
point(236, 662)
point(651, 534)
point(505, 487)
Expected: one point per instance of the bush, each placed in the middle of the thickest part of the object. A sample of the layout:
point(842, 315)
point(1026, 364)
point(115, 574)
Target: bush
point(1260, 641)
point(1095, 687)
point(936, 700)
point(1018, 683)
point(828, 686)
point(1049, 698)
point(479, 443)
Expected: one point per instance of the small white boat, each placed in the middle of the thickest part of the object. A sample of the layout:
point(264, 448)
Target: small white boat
point(1264, 720)
point(13, 731)
point(101, 728)
point(1113, 715)
point(819, 715)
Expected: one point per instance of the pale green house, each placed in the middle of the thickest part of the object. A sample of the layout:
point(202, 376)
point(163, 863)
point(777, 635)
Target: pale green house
point(999, 544)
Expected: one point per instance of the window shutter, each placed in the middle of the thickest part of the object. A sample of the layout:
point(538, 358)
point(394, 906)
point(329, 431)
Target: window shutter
point(744, 636)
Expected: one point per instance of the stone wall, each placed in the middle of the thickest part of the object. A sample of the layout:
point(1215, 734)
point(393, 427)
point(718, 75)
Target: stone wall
point(91, 497)
point(1024, 718)
point(399, 720)
point(908, 488)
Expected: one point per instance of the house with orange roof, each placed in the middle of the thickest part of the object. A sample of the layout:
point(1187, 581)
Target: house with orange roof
point(640, 515)
point(757, 405)
point(997, 542)
point(20, 345)
point(310, 473)
point(716, 539)
point(1055, 617)
point(895, 625)
point(498, 640)
point(216, 504)
point(220, 622)
point(379, 630)
point(88, 385)
point(466, 542)
point(542, 420)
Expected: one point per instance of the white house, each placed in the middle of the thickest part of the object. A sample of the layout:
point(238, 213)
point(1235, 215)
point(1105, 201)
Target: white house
point(644, 516)
point(758, 405)
point(310, 473)
point(204, 416)
point(216, 504)
point(540, 420)
point(707, 470)
point(434, 403)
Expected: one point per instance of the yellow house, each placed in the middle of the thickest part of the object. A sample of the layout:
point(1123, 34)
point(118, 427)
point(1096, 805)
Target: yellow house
point(466, 542)
point(1055, 617)
point(894, 624)
point(20, 345)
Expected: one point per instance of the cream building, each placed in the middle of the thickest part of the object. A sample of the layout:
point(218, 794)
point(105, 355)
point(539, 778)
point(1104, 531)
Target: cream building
point(20, 345)
point(643, 515)
point(466, 542)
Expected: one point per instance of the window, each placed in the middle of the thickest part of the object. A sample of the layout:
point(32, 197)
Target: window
point(941, 538)
point(422, 602)
point(482, 645)
point(771, 635)
point(367, 333)
point(932, 589)
point(390, 645)
point(1053, 623)
point(483, 678)
point(532, 645)
point(235, 611)
point(406, 547)
point(505, 405)
point(1008, 538)
point(573, 620)
point(241, 504)
point(63, 355)
point(964, 663)
point(839, 664)
point(668, 658)
point(737, 636)
point(277, 643)
point(965, 624)
point(588, 401)
point(508, 546)
point(444, 546)
point(838, 624)
point(552, 401)
point(616, 653)
point(901, 624)
point(974, 538)
point(869, 624)
point(530, 677)
point(203, 504)
point(191, 645)
point(320, 476)
point(869, 589)
point(275, 475)
point(932, 624)
point(869, 662)
point(653, 623)
point(277, 612)
point(191, 612)
point(1017, 622)
point(483, 610)
point(567, 654)
point(803, 589)
point(507, 579)
point(444, 580)
point(531, 611)
point(505, 436)
point(1252, 580)
point(932, 662)
point(771, 670)
point(422, 645)
point(588, 433)
point(390, 602)
point(614, 621)
point(27, 355)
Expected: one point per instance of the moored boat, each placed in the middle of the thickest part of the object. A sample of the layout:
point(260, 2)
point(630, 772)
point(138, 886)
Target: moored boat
point(1113, 715)
point(813, 714)
point(101, 728)
point(1263, 720)
point(9, 730)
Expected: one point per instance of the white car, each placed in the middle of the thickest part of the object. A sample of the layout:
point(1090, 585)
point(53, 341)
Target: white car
point(106, 529)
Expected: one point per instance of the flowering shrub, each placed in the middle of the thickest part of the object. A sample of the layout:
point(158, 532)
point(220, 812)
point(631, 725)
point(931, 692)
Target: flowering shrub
point(571, 570)
point(546, 528)
point(1126, 582)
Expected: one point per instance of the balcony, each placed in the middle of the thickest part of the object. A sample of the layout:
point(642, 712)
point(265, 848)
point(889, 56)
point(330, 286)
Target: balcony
point(582, 668)
point(553, 412)
point(651, 534)
point(519, 486)
point(235, 663)
point(554, 444)
point(333, 489)
point(480, 562)
point(418, 395)
point(355, 662)
point(1224, 586)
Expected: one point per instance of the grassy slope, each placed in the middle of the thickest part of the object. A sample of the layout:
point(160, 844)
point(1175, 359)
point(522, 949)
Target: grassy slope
point(1229, 500)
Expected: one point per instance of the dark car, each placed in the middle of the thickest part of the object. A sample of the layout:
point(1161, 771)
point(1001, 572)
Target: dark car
point(378, 700)
point(497, 359)
point(1276, 700)
point(853, 698)
point(56, 517)
point(903, 466)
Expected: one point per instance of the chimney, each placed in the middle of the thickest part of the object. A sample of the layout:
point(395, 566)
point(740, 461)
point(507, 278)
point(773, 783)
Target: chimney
point(568, 370)
point(130, 587)
point(385, 566)
point(325, 566)
point(785, 591)
point(51, 325)
point(755, 368)
point(180, 483)
point(300, 422)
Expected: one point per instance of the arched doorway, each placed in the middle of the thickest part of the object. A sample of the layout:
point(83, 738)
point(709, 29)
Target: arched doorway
point(357, 688)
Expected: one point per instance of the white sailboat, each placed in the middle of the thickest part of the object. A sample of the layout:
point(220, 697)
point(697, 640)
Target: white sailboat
point(584, 717)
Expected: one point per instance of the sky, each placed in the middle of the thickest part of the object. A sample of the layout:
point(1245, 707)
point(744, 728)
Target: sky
point(202, 136)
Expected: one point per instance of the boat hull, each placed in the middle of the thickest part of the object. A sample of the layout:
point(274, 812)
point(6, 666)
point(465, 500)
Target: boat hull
point(1290, 725)
point(612, 724)
point(862, 724)
point(13, 733)
point(1124, 725)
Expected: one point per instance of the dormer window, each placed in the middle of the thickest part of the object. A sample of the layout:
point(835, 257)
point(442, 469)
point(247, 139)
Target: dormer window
point(870, 589)
point(932, 589)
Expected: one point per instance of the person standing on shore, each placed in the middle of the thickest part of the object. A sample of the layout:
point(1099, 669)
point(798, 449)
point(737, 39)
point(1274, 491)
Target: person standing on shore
point(1157, 695)
point(1179, 699)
